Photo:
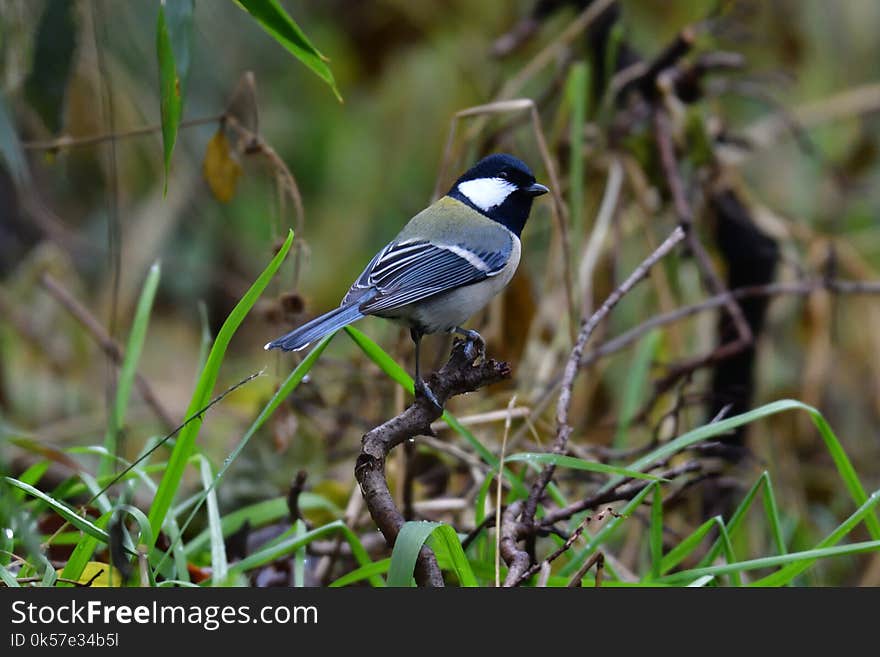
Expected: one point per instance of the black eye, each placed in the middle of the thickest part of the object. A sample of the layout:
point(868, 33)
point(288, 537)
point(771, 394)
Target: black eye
point(504, 175)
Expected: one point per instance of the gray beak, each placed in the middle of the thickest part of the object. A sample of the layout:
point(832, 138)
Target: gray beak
point(536, 189)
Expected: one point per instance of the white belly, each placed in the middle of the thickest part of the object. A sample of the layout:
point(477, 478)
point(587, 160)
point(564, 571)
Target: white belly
point(446, 311)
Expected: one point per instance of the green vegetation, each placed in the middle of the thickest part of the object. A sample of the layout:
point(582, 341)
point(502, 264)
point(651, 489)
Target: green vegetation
point(147, 439)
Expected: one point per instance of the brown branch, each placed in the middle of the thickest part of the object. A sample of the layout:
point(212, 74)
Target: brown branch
point(460, 375)
point(599, 560)
point(66, 141)
point(800, 288)
point(517, 560)
point(563, 429)
point(562, 549)
point(624, 491)
point(669, 164)
point(107, 344)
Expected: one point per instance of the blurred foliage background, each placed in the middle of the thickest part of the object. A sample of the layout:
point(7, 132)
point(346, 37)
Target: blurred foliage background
point(95, 217)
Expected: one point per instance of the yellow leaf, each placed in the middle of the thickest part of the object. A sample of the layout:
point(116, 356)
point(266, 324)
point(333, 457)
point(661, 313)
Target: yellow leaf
point(103, 574)
point(220, 168)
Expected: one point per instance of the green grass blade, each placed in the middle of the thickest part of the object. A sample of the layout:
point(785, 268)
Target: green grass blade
point(289, 385)
point(681, 551)
point(83, 552)
point(700, 582)
point(259, 514)
point(63, 510)
point(30, 476)
point(772, 513)
point(562, 461)
point(637, 379)
point(841, 461)
point(785, 575)
point(374, 569)
point(735, 521)
point(8, 578)
point(299, 557)
point(656, 532)
point(185, 444)
point(447, 546)
point(770, 562)
point(219, 565)
point(133, 349)
point(273, 19)
point(288, 543)
point(406, 550)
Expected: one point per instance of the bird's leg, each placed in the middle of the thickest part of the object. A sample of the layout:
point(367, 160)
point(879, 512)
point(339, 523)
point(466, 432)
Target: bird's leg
point(421, 388)
point(474, 341)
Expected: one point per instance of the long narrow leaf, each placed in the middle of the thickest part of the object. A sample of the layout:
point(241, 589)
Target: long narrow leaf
point(219, 566)
point(373, 569)
point(406, 550)
point(290, 543)
point(769, 562)
point(844, 466)
point(71, 516)
point(259, 514)
point(187, 436)
point(273, 19)
point(127, 372)
point(286, 388)
point(785, 575)
point(446, 545)
point(681, 551)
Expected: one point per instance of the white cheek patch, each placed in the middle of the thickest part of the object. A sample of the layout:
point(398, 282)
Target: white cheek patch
point(486, 193)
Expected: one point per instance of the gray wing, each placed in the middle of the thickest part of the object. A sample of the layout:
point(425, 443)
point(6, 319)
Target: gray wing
point(407, 272)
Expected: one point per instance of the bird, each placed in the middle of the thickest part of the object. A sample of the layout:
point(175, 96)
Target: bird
point(444, 266)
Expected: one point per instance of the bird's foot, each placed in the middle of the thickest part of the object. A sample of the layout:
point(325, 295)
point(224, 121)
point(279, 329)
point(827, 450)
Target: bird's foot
point(475, 346)
point(422, 390)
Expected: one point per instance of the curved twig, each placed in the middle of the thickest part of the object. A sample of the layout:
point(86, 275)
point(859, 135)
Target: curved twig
point(461, 374)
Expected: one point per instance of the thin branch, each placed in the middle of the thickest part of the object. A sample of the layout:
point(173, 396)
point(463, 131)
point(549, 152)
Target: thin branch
point(669, 164)
point(107, 344)
point(597, 559)
point(563, 428)
point(461, 374)
point(66, 141)
point(624, 491)
point(499, 486)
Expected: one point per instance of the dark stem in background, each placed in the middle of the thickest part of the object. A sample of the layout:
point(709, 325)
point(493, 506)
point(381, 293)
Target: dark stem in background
point(114, 225)
point(459, 375)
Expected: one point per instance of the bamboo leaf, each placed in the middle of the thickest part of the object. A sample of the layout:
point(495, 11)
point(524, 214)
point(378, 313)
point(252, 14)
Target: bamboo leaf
point(273, 19)
point(173, 36)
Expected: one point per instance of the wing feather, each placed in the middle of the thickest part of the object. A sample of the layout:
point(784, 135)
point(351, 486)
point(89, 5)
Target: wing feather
point(407, 272)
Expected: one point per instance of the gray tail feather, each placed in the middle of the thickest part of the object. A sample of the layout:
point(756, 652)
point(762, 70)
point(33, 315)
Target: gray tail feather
point(317, 328)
